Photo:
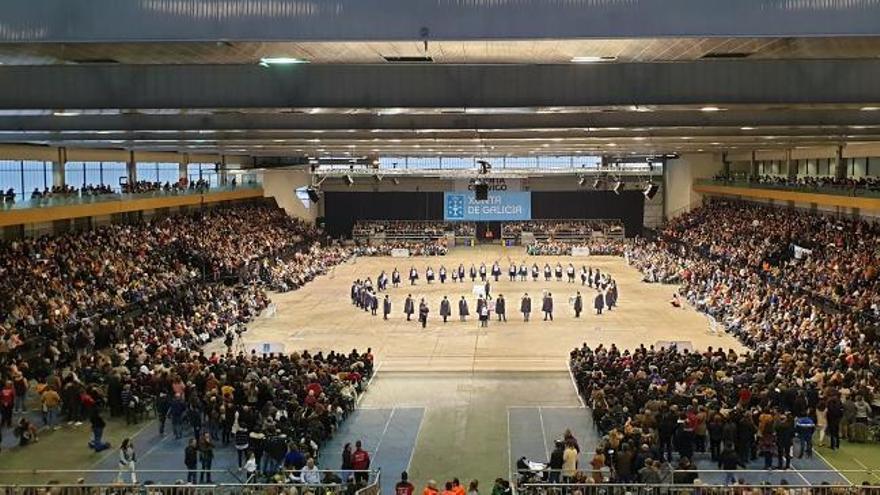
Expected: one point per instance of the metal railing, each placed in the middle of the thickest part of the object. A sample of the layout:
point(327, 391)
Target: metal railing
point(835, 190)
point(694, 489)
point(75, 199)
point(222, 481)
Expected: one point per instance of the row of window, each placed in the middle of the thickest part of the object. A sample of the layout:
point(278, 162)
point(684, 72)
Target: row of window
point(452, 162)
point(26, 175)
point(855, 167)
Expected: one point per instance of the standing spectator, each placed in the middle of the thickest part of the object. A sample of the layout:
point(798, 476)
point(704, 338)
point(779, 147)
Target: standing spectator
point(127, 460)
point(347, 464)
point(7, 403)
point(729, 461)
point(360, 461)
point(190, 460)
point(206, 456)
point(50, 402)
point(97, 443)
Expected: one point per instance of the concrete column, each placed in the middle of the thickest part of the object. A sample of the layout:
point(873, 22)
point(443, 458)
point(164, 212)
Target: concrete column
point(132, 167)
point(839, 164)
point(753, 165)
point(58, 177)
point(184, 162)
point(725, 165)
point(222, 170)
point(790, 168)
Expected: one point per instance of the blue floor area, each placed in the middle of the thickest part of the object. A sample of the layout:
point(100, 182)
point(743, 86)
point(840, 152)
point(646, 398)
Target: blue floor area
point(533, 431)
point(798, 474)
point(388, 434)
point(156, 453)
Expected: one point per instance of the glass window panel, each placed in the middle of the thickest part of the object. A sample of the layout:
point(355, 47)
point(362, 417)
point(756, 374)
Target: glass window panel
point(147, 172)
point(304, 197)
point(75, 174)
point(111, 172)
point(35, 174)
point(10, 176)
point(92, 173)
point(167, 172)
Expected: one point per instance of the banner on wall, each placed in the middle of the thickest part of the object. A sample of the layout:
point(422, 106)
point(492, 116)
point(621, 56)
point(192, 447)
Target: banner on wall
point(495, 184)
point(500, 206)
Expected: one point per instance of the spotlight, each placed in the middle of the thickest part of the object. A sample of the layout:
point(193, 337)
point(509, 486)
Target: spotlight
point(582, 181)
point(313, 194)
point(481, 191)
point(377, 177)
point(348, 180)
point(396, 181)
point(598, 184)
point(651, 190)
point(618, 186)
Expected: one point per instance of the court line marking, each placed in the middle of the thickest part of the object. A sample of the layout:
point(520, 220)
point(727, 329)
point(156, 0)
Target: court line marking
point(574, 384)
point(509, 458)
point(412, 452)
point(866, 468)
point(543, 434)
point(819, 454)
point(384, 431)
point(806, 481)
point(369, 385)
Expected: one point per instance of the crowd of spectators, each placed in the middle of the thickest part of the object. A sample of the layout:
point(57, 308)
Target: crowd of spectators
point(93, 190)
point(800, 290)
point(560, 229)
point(849, 185)
point(290, 273)
point(598, 246)
point(430, 248)
point(117, 316)
point(411, 228)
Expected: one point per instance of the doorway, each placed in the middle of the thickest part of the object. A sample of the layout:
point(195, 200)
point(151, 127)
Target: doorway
point(488, 232)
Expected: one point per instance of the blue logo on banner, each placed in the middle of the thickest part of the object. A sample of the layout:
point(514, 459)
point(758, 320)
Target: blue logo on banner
point(500, 206)
point(455, 206)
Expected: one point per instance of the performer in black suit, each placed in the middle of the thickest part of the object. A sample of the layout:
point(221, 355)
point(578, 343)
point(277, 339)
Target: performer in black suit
point(463, 309)
point(525, 306)
point(445, 311)
point(409, 307)
point(500, 308)
point(547, 307)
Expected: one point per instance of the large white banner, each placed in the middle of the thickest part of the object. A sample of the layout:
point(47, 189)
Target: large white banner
point(400, 253)
point(580, 251)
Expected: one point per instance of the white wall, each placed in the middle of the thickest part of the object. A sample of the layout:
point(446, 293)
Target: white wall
point(282, 185)
point(680, 175)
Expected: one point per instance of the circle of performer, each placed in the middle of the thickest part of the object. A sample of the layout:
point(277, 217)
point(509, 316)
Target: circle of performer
point(365, 295)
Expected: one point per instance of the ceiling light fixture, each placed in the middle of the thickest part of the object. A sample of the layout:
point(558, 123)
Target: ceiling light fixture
point(711, 109)
point(870, 109)
point(64, 113)
point(747, 128)
point(267, 61)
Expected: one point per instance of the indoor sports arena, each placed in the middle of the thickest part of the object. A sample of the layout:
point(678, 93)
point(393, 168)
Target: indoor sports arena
point(439, 247)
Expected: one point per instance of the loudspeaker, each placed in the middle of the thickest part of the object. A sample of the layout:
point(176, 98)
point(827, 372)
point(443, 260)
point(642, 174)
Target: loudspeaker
point(481, 191)
point(313, 194)
point(651, 191)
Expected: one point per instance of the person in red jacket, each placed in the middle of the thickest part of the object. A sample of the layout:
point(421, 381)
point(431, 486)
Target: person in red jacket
point(404, 487)
point(7, 401)
point(360, 462)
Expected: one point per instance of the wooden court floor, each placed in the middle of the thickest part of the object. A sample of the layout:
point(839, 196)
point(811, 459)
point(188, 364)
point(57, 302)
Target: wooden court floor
point(321, 317)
